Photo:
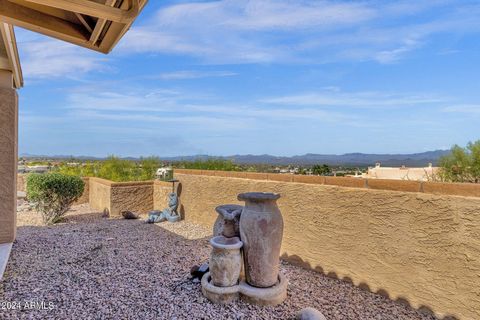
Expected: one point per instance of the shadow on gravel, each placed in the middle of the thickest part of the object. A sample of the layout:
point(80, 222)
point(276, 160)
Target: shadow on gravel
point(96, 268)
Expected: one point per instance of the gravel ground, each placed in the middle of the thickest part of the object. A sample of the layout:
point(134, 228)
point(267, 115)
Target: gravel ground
point(95, 268)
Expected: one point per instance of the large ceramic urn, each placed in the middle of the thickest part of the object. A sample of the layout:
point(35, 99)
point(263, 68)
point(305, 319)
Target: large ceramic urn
point(261, 231)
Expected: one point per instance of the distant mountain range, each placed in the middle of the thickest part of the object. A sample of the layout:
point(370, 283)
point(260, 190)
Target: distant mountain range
point(349, 159)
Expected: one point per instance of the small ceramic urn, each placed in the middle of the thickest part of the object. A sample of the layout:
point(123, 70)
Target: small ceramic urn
point(261, 231)
point(225, 261)
point(227, 223)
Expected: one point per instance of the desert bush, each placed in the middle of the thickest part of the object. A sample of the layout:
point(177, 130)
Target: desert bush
point(53, 194)
point(116, 169)
point(87, 169)
point(462, 164)
point(209, 164)
point(148, 168)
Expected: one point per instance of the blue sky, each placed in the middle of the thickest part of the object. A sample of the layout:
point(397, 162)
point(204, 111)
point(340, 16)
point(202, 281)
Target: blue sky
point(262, 76)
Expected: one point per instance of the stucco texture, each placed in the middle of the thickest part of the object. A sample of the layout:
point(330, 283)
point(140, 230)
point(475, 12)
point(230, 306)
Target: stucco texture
point(120, 196)
point(86, 192)
point(422, 248)
point(99, 194)
point(21, 182)
point(8, 164)
point(137, 198)
point(161, 190)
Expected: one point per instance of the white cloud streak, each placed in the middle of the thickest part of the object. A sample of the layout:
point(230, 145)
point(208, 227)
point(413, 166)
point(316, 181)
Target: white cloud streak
point(192, 74)
point(470, 109)
point(43, 57)
point(267, 31)
point(329, 98)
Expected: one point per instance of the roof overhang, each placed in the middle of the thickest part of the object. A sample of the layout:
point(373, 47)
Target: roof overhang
point(94, 24)
point(9, 59)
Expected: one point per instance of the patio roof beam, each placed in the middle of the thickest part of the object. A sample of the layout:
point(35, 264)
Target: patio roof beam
point(82, 20)
point(12, 60)
point(40, 22)
point(100, 24)
point(95, 9)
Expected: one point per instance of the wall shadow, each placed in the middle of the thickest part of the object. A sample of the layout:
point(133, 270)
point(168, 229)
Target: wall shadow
point(298, 261)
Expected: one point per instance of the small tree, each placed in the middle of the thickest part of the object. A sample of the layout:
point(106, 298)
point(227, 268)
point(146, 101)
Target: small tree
point(321, 170)
point(462, 164)
point(148, 168)
point(53, 194)
point(117, 169)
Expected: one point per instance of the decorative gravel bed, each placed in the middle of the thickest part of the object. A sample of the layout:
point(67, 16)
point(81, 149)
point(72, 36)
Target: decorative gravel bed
point(95, 268)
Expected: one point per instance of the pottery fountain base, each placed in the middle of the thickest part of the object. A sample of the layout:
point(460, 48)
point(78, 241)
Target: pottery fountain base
point(271, 296)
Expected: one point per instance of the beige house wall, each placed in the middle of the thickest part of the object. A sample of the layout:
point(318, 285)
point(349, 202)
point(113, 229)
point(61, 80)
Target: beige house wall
point(8, 163)
point(418, 247)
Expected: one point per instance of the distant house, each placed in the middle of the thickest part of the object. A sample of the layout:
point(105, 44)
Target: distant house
point(37, 169)
point(401, 173)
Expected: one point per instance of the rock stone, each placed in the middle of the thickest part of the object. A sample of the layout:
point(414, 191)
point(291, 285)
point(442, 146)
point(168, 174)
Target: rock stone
point(310, 314)
point(129, 215)
point(197, 272)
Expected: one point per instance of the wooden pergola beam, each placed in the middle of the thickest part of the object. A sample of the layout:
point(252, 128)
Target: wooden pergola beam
point(84, 22)
point(13, 61)
point(100, 24)
point(94, 9)
point(39, 22)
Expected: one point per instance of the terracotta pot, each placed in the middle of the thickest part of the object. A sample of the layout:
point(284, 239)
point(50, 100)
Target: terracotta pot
point(225, 261)
point(261, 231)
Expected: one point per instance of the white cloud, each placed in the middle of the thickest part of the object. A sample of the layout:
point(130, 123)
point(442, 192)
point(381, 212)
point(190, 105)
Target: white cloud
point(329, 98)
point(238, 31)
point(267, 31)
point(44, 57)
point(164, 106)
point(266, 14)
point(471, 109)
point(192, 74)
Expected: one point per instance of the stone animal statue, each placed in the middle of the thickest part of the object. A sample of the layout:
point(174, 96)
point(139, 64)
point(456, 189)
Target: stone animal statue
point(169, 213)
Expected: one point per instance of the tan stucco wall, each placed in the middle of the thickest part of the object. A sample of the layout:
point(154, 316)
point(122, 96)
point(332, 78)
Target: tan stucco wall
point(137, 198)
point(8, 164)
point(99, 194)
point(119, 196)
point(86, 192)
point(423, 248)
point(161, 190)
point(454, 189)
point(22, 182)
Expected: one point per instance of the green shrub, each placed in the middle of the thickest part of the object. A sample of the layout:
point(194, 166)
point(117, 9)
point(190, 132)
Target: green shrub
point(148, 168)
point(53, 194)
point(209, 164)
point(116, 169)
point(462, 164)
